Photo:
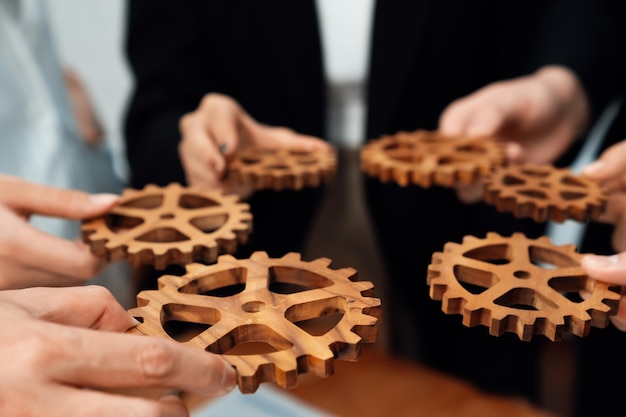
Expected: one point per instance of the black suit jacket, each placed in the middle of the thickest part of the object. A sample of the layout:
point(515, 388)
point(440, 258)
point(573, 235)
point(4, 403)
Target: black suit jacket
point(424, 54)
point(267, 55)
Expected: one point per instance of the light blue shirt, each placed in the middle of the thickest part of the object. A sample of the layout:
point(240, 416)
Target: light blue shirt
point(39, 140)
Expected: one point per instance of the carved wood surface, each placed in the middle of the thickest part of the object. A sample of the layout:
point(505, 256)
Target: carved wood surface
point(271, 318)
point(520, 285)
point(161, 226)
point(544, 192)
point(428, 158)
point(282, 168)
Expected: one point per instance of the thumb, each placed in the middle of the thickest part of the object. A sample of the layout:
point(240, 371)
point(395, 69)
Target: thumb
point(611, 269)
point(30, 197)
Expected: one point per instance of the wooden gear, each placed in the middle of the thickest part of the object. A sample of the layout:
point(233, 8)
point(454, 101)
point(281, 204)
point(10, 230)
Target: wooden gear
point(271, 302)
point(519, 285)
point(282, 168)
point(428, 158)
point(160, 226)
point(544, 193)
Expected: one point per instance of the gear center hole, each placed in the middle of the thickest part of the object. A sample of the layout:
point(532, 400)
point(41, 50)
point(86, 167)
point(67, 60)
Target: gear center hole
point(253, 306)
point(166, 216)
point(521, 274)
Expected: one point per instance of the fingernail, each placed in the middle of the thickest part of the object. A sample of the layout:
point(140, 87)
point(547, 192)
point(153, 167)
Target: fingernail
point(594, 168)
point(601, 262)
point(103, 199)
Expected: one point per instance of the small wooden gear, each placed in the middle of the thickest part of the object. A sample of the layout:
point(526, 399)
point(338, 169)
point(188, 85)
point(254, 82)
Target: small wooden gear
point(272, 319)
point(428, 158)
point(282, 168)
point(519, 285)
point(161, 226)
point(544, 193)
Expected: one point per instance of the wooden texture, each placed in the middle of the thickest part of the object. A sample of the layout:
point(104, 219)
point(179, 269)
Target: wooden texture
point(271, 318)
point(282, 168)
point(428, 158)
point(382, 385)
point(161, 226)
point(543, 192)
point(519, 285)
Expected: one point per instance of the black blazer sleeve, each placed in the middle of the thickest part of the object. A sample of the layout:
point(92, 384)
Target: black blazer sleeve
point(265, 54)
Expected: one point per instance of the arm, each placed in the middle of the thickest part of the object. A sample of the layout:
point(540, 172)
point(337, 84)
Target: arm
point(30, 257)
point(72, 339)
point(169, 58)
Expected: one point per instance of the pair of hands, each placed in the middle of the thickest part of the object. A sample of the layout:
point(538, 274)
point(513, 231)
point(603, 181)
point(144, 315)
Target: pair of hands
point(610, 170)
point(63, 350)
point(536, 117)
point(64, 353)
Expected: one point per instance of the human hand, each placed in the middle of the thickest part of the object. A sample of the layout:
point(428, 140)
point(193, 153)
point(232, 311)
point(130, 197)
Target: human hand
point(610, 171)
point(611, 269)
point(63, 352)
point(30, 257)
point(87, 122)
point(536, 117)
point(212, 133)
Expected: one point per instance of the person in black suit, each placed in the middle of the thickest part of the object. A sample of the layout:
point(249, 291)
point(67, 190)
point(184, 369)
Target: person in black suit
point(264, 61)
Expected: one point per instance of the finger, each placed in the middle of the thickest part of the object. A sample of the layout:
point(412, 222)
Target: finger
point(619, 321)
point(470, 193)
point(514, 152)
point(610, 269)
point(455, 116)
point(480, 114)
point(81, 402)
point(223, 124)
point(618, 239)
point(287, 138)
point(615, 209)
point(198, 145)
point(198, 175)
point(16, 276)
point(611, 164)
point(90, 306)
point(51, 201)
point(112, 360)
point(26, 245)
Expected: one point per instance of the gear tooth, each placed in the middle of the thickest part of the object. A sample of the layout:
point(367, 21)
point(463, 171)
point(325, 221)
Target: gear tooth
point(259, 256)
point(292, 256)
point(350, 274)
point(192, 267)
point(227, 258)
point(493, 236)
point(323, 262)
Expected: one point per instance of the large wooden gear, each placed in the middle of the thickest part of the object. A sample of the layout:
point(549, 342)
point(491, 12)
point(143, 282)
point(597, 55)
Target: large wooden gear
point(543, 192)
point(161, 226)
point(519, 285)
point(274, 306)
point(282, 168)
point(428, 158)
